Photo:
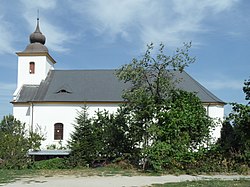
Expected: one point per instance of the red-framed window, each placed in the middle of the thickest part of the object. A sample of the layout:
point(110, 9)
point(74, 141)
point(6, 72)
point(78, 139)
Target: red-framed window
point(32, 67)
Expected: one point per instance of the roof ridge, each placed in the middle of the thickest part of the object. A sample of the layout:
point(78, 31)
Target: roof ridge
point(33, 85)
point(44, 86)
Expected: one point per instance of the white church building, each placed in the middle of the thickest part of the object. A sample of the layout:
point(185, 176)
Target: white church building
point(50, 98)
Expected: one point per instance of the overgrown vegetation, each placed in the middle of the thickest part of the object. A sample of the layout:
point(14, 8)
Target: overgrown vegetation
point(15, 141)
point(235, 134)
point(54, 163)
point(159, 128)
point(100, 139)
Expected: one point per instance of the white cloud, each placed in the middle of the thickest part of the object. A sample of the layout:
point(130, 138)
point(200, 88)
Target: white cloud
point(113, 18)
point(171, 22)
point(39, 4)
point(56, 37)
point(200, 9)
point(6, 38)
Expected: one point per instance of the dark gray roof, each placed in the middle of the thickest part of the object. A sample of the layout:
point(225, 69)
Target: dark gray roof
point(27, 93)
point(35, 47)
point(96, 86)
point(189, 84)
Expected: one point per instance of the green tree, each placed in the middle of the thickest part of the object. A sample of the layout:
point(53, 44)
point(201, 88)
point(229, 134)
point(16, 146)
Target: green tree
point(246, 90)
point(83, 140)
point(116, 142)
point(163, 119)
point(235, 134)
point(152, 76)
point(102, 137)
point(158, 125)
point(15, 142)
point(180, 133)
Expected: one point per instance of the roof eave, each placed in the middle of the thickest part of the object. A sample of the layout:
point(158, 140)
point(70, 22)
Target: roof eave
point(214, 103)
point(71, 102)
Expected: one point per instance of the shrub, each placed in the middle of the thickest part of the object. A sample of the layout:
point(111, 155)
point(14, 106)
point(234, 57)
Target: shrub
point(54, 163)
point(15, 141)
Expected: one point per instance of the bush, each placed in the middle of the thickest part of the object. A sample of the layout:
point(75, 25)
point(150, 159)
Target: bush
point(54, 163)
point(235, 134)
point(102, 137)
point(15, 141)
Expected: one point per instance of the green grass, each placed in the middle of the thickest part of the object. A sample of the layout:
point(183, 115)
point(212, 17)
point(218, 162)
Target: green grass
point(208, 183)
point(7, 175)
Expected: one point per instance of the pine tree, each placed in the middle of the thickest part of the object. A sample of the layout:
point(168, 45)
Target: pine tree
point(83, 140)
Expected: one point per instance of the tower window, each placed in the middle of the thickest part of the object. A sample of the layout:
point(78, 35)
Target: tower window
point(32, 67)
point(58, 131)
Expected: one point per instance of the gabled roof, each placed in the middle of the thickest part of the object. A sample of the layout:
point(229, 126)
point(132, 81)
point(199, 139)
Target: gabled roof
point(96, 86)
point(189, 84)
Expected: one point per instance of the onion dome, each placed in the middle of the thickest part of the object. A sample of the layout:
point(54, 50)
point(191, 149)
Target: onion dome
point(37, 36)
point(37, 41)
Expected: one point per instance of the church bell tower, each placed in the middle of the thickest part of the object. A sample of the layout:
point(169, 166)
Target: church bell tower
point(34, 62)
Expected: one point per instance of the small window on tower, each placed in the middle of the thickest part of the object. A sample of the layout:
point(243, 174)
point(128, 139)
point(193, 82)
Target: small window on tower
point(32, 67)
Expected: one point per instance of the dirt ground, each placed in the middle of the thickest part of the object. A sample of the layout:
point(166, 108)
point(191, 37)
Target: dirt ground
point(112, 181)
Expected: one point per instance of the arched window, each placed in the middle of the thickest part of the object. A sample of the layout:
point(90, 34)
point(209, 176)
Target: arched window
point(58, 131)
point(32, 67)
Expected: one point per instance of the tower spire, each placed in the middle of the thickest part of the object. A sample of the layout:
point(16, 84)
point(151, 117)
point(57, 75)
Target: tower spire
point(37, 35)
point(37, 40)
point(37, 14)
point(37, 21)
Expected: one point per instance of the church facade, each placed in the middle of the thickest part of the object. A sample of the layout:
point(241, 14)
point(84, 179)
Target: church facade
point(49, 99)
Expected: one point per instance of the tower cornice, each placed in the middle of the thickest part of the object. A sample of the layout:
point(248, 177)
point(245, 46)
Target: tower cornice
point(37, 54)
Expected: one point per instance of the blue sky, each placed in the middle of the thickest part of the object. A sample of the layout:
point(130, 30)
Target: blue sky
point(105, 34)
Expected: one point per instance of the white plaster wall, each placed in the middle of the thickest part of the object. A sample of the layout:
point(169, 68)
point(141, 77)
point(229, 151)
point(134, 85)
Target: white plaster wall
point(49, 66)
point(217, 113)
point(46, 115)
point(42, 67)
point(20, 113)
